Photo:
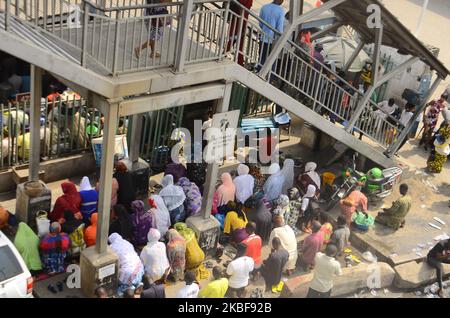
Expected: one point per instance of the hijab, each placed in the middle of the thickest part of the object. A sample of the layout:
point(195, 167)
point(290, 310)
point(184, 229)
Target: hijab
point(142, 221)
point(288, 173)
point(153, 237)
point(310, 192)
point(193, 201)
point(227, 190)
point(70, 200)
point(244, 183)
point(85, 184)
point(310, 170)
point(274, 184)
point(162, 215)
point(172, 195)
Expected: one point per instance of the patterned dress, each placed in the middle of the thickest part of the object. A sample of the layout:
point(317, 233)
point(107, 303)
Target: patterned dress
point(54, 250)
point(439, 158)
point(294, 213)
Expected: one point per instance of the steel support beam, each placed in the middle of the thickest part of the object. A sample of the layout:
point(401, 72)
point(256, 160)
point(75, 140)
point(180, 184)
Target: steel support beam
point(281, 41)
point(327, 30)
point(174, 98)
point(35, 129)
point(354, 55)
point(213, 168)
point(182, 40)
point(393, 148)
point(106, 174)
point(402, 67)
point(377, 53)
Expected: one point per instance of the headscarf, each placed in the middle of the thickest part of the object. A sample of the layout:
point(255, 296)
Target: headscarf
point(227, 190)
point(90, 234)
point(129, 261)
point(193, 201)
point(310, 170)
point(142, 221)
point(27, 243)
point(70, 224)
point(70, 200)
point(274, 184)
point(162, 215)
point(282, 206)
point(288, 173)
point(153, 236)
point(177, 170)
point(85, 184)
point(172, 195)
point(310, 192)
point(244, 183)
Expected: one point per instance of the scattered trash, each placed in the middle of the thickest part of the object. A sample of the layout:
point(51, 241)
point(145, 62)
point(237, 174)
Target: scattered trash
point(385, 291)
point(430, 243)
point(347, 251)
point(419, 254)
point(441, 237)
point(439, 220)
point(415, 250)
point(373, 292)
point(423, 206)
point(355, 259)
point(393, 255)
point(422, 198)
point(421, 245)
point(361, 291)
point(430, 296)
point(356, 296)
point(368, 256)
point(435, 226)
point(434, 288)
point(418, 293)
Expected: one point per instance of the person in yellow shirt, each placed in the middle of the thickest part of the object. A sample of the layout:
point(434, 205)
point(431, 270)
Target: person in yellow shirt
point(235, 222)
point(216, 288)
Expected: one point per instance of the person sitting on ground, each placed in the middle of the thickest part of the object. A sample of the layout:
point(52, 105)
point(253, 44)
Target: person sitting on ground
point(131, 269)
point(173, 197)
point(326, 268)
point(354, 201)
point(263, 220)
point(121, 223)
point(126, 192)
point(235, 222)
point(152, 290)
point(239, 271)
point(217, 288)
point(175, 169)
point(193, 202)
point(75, 229)
point(439, 254)
point(282, 206)
point(27, 243)
point(254, 247)
point(100, 292)
point(69, 201)
point(176, 254)
point(288, 241)
point(326, 229)
point(309, 209)
point(311, 246)
point(225, 192)
point(89, 199)
point(142, 220)
point(272, 268)
point(341, 236)
point(162, 215)
point(90, 233)
point(394, 217)
point(191, 288)
point(295, 204)
point(244, 184)
point(154, 257)
point(310, 177)
point(274, 184)
point(53, 248)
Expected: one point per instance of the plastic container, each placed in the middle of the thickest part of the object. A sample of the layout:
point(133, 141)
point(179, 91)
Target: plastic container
point(42, 223)
point(328, 178)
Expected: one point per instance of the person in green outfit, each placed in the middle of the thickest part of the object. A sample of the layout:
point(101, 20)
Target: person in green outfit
point(394, 217)
point(27, 243)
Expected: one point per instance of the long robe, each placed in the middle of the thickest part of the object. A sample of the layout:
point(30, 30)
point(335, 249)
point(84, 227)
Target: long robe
point(272, 268)
point(263, 219)
point(27, 243)
point(395, 215)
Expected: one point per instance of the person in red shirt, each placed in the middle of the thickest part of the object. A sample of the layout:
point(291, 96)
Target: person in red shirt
point(235, 20)
point(254, 246)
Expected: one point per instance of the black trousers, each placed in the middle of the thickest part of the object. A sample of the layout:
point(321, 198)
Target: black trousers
point(437, 264)
point(315, 294)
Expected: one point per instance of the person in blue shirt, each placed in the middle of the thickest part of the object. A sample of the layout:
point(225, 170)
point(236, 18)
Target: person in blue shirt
point(89, 199)
point(273, 14)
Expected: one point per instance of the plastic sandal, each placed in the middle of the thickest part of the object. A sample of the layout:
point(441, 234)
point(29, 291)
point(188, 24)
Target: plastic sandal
point(52, 288)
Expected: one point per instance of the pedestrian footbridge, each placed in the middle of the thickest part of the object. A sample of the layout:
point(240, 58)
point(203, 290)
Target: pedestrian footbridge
point(203, 46)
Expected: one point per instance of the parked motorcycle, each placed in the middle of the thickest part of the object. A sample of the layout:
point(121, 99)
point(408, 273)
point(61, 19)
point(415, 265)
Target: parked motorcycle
point(376, 184)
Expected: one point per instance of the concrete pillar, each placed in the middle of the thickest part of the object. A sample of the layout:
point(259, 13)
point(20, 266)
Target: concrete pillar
point(99, 264)
point(136, 133)
point(205, 226)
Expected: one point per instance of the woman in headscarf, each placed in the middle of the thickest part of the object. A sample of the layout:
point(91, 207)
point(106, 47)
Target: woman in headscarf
point(282, 206)
point(142, 221)
point(274, 184)
point(309, 177)
point(127, 191)
point(27, 243)
point(75, 229)
point(121, 223)
point(307, 210)
point(177, 170)
point(288, 173)
point(53, 247)
point(162, 215)
point(194, 254)
point(288, 241)
point(176, 253)
point(235, 222)
point(89, 199)
point(131, 269)
point(295, 210)
point(244, 184)
point(263, 219)
point(90, 234)
point(69, 201)
point(356, 199)
point(437, 160)
point(173, 197)
point(154, 257)
point(193, 202)
point(226, 191)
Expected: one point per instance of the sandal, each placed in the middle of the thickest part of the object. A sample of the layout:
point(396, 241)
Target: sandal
point(52, 288)
point(60, 286)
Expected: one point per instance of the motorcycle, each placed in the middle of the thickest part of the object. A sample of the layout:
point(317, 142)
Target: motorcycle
point(376, 184)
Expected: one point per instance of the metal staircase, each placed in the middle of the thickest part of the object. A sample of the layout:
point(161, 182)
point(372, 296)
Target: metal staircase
point(102, 40)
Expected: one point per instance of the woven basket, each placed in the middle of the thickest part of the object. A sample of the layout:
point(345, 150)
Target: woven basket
point(33, 188)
